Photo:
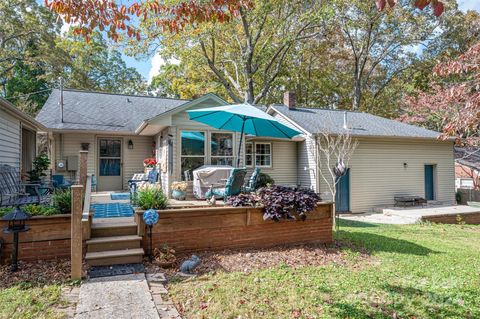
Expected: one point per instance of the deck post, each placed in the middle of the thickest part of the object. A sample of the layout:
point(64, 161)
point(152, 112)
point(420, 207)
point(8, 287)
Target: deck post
point(76, 232)
point(83, 168)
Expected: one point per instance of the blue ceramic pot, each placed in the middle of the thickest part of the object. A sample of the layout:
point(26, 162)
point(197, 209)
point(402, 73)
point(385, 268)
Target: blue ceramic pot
point(178, 195)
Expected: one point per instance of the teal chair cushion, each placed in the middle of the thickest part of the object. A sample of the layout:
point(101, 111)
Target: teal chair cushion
point(232, 187)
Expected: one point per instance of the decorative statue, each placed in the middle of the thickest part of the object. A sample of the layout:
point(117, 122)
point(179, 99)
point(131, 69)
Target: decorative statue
point(189, 265)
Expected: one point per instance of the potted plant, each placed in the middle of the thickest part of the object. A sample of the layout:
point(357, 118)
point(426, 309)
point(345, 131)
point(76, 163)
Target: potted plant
point(164, 257)
point(149, 164)
point(179, 190)
point(36, 175)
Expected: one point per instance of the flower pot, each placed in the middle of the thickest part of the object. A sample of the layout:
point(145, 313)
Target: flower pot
point(165, 263)
point(178, 195)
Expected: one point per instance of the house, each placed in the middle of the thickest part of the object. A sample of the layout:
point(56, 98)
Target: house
point(121, 130)
point(18, 137)
point(467, 168)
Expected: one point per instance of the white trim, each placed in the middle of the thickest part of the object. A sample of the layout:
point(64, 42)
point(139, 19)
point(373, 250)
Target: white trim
point(252, 154)
point(255, 154)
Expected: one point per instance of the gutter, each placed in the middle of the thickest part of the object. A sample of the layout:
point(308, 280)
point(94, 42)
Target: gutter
point(141, 127)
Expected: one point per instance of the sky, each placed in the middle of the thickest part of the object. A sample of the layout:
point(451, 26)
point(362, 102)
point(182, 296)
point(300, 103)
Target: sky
point(150, 67)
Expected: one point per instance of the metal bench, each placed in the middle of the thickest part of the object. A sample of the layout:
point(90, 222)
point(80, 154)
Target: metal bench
point(409, 201)
point(13, 191)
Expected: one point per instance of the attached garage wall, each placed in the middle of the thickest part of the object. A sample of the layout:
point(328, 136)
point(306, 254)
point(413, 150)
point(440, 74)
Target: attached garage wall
point(132, 159)
point(9, 140)
point(377, 171)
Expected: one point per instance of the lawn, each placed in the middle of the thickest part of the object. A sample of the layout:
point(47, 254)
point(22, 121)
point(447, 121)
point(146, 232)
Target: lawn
point(411, 271)
point(27, 301)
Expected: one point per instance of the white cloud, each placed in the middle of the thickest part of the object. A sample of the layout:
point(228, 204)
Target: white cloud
point(65, 28)
point(157, 62)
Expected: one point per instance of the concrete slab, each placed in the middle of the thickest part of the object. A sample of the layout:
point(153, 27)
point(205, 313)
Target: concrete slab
point(119, 297)
point(409, 215)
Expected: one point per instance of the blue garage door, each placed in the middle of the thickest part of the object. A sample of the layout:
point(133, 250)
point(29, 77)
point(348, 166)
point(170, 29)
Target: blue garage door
point(342, 196)
point(429, 183)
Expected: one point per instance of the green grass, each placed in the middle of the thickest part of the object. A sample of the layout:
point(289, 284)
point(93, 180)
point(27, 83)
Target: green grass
point(26, 301)
point(413, 271)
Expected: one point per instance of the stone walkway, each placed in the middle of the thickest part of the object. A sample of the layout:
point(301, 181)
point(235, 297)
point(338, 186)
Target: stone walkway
point(125, 297)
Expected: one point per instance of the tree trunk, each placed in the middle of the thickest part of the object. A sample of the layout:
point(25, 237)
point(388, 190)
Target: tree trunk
point(357, 95)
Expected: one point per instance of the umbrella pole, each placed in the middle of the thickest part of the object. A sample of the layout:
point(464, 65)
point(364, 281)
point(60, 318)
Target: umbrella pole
point(240, 144)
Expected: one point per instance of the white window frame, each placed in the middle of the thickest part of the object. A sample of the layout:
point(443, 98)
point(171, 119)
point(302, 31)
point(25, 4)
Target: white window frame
point(255, 154)
point(205, 149)
point(252, 154)
point(232, 157)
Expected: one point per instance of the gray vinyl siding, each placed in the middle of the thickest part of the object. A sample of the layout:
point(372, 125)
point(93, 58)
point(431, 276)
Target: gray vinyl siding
point(10, 135)
point(377, 171)
point(306, 168)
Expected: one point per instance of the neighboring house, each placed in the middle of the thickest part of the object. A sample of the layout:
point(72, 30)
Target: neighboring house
point(392, 158)
point(18, 137)
point(467, 168)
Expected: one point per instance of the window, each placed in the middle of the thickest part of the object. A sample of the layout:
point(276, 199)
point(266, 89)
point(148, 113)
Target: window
point(249, 154)
point(221, 148)
point(263, 154)
point(192, 151)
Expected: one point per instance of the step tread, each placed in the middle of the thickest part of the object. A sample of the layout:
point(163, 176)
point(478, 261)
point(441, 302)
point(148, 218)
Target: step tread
point(114, 253)
point(110, 239)
point(113, 225)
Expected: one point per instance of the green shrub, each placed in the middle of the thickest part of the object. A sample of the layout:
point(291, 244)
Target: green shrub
point(264, 180)
point(5, 210)
point(40, 210)
point(40, 165)
point(33, 210)
point(62, 201)
point(151, 196)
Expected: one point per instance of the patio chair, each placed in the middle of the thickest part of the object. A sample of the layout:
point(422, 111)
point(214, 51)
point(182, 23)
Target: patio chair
point(59, 181)
point(13, 191)
point(133, 184)
point(251, 185)
point(232, 187)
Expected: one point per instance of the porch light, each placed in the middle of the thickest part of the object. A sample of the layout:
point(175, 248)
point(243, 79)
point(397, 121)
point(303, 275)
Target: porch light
point(405, 165)
point(130, 144)
point(16, 224)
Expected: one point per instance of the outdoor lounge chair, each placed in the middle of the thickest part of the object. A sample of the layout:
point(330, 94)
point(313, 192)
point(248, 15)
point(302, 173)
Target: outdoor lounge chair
point(13, 191)
point(251, 185)
point(151, 179)
point(232, 187)
point(59, 181)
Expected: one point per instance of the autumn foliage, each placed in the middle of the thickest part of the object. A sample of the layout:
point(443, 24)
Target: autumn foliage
point(453, 103)
point(437, 6)
point(107, 15)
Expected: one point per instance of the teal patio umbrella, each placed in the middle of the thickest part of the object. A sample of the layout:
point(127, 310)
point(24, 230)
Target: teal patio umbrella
point(243, 118)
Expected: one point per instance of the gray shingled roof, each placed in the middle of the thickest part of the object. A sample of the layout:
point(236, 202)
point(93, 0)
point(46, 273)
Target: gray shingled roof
point(317, 120)
point(96, 111)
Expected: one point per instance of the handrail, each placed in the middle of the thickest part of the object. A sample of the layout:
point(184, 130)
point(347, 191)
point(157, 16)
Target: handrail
point(87, 195)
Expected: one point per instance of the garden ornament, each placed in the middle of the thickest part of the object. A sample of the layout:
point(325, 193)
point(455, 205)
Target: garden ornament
point(150, 218)
point(189, 265)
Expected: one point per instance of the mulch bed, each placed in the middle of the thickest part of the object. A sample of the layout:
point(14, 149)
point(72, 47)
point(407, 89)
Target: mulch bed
point(36, 273)
point(247, 260)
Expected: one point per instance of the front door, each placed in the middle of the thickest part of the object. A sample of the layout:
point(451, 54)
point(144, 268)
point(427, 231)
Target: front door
point(342, 195)
point(429, 182)
point(109, 164)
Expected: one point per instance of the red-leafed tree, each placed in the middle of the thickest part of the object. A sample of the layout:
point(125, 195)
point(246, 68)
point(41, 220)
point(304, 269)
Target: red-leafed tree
point(452, 105)
point(108, 15)
point(437, 6)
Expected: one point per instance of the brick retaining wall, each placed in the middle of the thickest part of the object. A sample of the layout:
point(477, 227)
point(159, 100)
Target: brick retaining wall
point(234, 227)
point(48, 238)
point(467, 218)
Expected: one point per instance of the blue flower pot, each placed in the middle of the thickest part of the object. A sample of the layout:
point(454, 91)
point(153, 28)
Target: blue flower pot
point(178, 195)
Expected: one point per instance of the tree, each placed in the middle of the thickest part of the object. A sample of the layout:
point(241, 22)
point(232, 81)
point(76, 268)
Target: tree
point(452, 104)
point(172, 16)
point(246, 55)
point(95, 66)
point(333, 153)
point(27, 35)
point(380, 43)
point(437, 6)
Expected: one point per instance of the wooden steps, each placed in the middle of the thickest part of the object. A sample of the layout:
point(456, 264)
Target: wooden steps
point(115, 257)
point(114, 241)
